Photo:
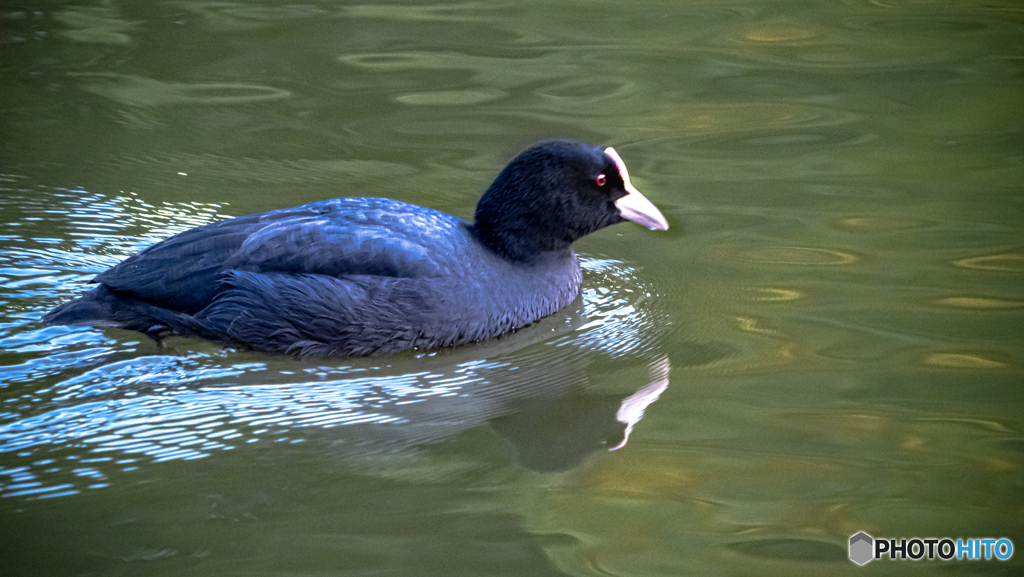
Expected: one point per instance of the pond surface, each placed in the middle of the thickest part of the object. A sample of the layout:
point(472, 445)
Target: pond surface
point(830, 338)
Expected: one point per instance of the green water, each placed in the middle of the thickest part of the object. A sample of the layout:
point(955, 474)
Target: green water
point(840, 298)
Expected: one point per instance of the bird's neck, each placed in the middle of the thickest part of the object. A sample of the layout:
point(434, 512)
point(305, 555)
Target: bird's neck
point(521, 248)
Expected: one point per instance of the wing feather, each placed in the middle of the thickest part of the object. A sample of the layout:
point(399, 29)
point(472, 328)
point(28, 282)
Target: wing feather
point(336, 238)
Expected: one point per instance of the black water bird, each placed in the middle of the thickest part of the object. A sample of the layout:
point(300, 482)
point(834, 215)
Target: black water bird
point(363, 276)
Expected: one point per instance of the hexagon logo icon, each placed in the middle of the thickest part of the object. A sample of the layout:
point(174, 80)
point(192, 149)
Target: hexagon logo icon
point(861, 548)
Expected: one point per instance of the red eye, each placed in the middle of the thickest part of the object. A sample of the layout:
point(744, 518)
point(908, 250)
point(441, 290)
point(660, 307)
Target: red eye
point(600, 180)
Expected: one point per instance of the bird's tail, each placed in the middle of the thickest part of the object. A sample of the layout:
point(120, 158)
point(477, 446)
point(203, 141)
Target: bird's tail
point(105, 307)
point(98, 307)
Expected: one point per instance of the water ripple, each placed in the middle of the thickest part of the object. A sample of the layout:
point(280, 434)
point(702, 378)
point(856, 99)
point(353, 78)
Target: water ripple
point(140, 91)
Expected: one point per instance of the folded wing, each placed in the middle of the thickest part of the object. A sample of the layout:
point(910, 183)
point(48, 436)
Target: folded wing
point(335, 238)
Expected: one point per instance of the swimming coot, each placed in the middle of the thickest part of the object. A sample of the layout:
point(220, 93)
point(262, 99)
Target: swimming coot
point(372, 275)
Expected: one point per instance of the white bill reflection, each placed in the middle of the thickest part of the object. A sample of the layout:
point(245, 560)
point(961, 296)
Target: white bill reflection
point(633, 406)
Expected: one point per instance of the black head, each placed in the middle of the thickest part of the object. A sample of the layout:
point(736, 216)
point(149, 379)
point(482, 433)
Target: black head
point(554, 193)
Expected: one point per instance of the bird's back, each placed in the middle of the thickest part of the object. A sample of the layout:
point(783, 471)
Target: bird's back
point(349, 275)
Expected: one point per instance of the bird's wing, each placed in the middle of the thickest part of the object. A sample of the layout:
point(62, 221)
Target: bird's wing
point(180, 273)
point(338, 237)
point(356, 236)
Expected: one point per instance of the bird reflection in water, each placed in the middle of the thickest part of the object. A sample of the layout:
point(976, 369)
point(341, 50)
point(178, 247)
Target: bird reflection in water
point(558, 434)
point(632, 408)
point(545, 409)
